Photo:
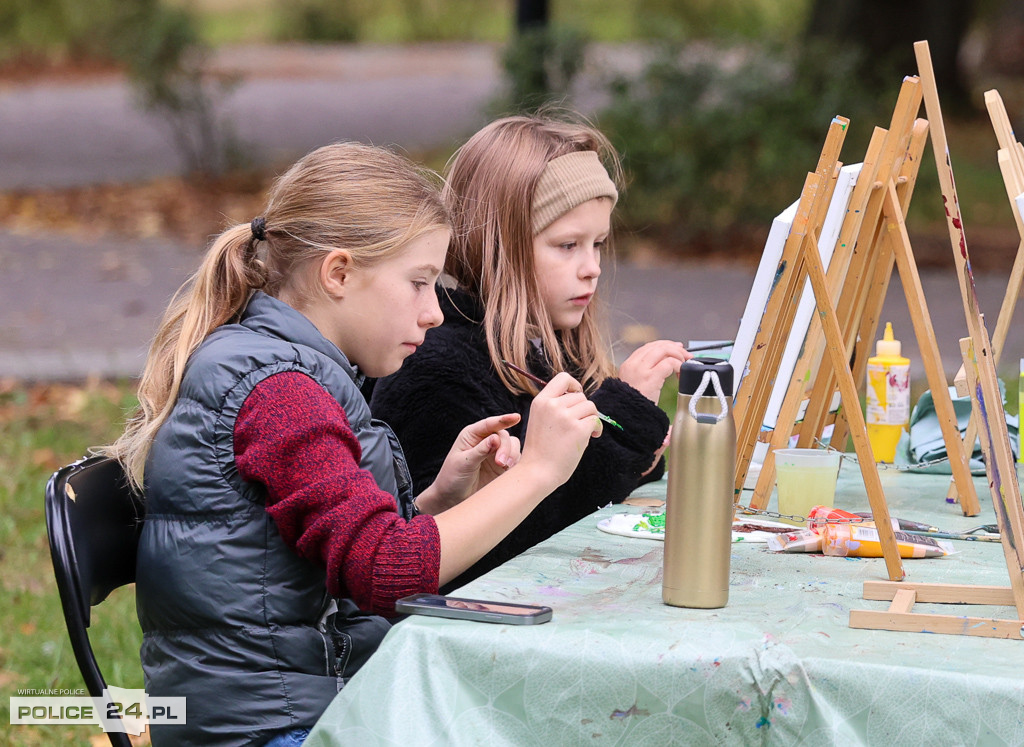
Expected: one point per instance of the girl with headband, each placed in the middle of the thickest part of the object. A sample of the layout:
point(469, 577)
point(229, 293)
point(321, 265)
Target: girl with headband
point(532, 200)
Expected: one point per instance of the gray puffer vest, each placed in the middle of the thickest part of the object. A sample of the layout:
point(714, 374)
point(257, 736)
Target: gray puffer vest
point(233, 619)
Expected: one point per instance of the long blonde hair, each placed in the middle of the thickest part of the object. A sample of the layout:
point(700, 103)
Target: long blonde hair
point(367, 200)
point(490, 187)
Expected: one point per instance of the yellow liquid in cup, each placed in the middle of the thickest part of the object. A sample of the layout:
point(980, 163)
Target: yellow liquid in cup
point(802, 488)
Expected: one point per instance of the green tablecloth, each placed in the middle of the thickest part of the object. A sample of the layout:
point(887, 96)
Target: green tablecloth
point(777, 665)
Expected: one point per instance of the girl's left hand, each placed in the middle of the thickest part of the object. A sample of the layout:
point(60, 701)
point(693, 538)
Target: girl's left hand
point(482, 451)
point(649, 365)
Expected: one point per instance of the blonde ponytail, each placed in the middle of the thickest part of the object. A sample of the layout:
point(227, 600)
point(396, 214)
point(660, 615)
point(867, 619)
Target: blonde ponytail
point(215, 294)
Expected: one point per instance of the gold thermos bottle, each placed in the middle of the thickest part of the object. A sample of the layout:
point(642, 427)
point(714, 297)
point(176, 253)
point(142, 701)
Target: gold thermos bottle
point(699, 505)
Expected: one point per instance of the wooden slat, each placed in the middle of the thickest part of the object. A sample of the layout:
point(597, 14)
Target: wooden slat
point(871, 309)
point(977, 353)
point(903, 601)
point(999, 467)
point(1011, 166)
point(929, 349)
point(871, 261)
point(1001, 596)
point(886, 157)
point(911, 622)
point(858, 429)
point(900, 618)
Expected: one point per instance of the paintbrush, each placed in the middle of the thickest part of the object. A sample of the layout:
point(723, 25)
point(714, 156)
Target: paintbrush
point(906, 525)
point(927, 530)
point(711, 346)
point(540, 382)
point(955, 536)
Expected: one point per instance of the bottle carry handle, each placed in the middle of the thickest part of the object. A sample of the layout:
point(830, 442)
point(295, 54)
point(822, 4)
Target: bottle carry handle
point(709, 376)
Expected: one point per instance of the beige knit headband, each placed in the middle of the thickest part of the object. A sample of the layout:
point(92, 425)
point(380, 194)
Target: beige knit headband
point(569, 181)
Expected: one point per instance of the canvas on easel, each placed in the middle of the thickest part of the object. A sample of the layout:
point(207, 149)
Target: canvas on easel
point(760, 290)
point(980, 375)
point(773, 305)
point(874, 226)
point(810, 373)
point(800, 261)
point(859, 280)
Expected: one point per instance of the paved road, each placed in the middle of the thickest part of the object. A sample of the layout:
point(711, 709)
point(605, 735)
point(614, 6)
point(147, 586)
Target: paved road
point(72, 307)
point(289, 100)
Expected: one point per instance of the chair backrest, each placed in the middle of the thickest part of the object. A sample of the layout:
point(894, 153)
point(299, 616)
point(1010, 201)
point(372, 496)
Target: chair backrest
point(93, 520)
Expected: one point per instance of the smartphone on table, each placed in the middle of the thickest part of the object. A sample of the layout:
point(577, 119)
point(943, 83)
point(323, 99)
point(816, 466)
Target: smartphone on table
point(480, 610)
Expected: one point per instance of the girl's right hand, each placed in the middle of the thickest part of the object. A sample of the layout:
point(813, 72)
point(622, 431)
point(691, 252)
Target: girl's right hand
point(562, 422)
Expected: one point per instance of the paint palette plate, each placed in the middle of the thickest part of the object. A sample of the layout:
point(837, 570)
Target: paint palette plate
point(651, 525)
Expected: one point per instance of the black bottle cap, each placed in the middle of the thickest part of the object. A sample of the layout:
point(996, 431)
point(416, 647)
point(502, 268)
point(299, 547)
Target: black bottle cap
point(692, 372)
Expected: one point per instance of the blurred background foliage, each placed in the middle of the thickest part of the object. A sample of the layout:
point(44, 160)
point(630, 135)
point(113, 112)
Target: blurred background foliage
point(53, 28)
point(717, 128)
point(720, 140)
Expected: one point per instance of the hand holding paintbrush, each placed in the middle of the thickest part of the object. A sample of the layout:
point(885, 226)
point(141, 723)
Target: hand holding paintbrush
point(540, 382)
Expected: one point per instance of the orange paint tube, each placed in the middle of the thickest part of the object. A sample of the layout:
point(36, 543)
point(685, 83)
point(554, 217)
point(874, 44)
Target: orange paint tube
point(858, 541)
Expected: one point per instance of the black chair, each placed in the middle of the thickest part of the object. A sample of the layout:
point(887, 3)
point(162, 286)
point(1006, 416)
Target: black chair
point(93, 519)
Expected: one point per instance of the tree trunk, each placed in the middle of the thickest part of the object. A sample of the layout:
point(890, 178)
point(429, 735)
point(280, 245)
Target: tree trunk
point(885, 31)
point(531, 14)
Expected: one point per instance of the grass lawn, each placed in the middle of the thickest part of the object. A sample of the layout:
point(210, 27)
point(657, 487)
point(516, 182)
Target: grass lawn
point(42, 428)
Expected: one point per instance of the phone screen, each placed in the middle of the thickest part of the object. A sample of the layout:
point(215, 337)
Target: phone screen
point(473, 609)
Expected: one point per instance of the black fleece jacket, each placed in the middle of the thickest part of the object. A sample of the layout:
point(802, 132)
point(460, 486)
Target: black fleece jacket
point(449, 383)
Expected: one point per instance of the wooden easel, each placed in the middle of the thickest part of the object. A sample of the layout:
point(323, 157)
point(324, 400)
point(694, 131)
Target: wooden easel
point(995, 444)
point(754, 389)
point(801, 260)
point(1011, 165)
point(876, 211)
point(980, 374)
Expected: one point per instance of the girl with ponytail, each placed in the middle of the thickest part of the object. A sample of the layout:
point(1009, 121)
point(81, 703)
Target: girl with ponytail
point(281, 523)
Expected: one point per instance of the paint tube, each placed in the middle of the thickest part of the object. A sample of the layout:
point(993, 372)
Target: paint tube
point(799, 540)
point(850, 540)
point(819, 516)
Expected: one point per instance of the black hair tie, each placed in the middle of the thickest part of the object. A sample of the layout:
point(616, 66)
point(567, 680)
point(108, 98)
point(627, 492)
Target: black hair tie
point(259, 228)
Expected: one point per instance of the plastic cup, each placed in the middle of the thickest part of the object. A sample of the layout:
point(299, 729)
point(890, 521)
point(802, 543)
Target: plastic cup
point(805, 478)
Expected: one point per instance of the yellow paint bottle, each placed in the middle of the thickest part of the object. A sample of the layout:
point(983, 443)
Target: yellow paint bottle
point(888, 396)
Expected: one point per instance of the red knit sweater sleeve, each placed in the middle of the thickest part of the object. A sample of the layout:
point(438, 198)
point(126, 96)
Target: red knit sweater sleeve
point(293, 438)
